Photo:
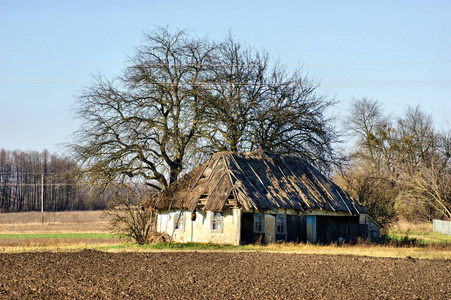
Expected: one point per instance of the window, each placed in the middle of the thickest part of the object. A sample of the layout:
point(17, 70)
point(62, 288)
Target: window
point(258, 222)
point(281, 224)
point(216, 221)
point(179, 220)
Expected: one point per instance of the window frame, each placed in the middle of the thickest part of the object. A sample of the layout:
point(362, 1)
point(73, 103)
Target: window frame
point(216, 220)
point(259, 223)
point(283, 219)
point(180, 225)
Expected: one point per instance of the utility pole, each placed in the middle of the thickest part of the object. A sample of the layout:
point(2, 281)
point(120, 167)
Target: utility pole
point(42, 193)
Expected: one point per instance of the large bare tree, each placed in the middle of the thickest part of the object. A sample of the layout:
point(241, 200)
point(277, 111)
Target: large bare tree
point(143, 123)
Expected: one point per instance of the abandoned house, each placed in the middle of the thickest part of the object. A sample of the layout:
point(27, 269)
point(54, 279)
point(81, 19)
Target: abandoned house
point(242, 198)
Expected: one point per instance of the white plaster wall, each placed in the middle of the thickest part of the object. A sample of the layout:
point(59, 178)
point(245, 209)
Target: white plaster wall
point(229, 228)
point(166, 221)
point(200, 229)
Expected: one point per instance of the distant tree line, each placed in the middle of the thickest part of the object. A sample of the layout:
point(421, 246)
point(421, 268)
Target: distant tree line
point(31, 181)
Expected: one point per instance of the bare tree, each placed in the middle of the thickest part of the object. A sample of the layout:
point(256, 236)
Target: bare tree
point(367, 123)
point(254, 103)
point(128, 216)
point(425, 172)
point(291, 118)
point(377, 193)
point(405, 155)
point(237, 83)
point(143, 123)
point(426, 194)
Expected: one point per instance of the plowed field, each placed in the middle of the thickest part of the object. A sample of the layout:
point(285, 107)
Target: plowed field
point(219, 275)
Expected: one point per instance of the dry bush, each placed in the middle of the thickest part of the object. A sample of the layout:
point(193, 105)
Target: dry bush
point(129, 218)
point(159, 237)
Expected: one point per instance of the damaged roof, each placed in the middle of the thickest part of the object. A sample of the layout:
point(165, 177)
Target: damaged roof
point(255, 181)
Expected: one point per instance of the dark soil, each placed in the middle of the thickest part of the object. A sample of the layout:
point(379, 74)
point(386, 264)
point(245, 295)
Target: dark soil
point(216, 275)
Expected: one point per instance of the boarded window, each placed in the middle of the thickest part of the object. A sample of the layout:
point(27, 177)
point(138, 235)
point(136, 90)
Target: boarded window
point(179, 220)
point(281, 224)
point(216, 221)
point(258, 223)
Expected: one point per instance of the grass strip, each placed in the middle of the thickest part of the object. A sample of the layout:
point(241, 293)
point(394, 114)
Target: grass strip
point(429, 252)
point(418, 236)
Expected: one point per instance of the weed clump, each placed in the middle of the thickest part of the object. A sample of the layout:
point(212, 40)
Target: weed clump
point(404, 241)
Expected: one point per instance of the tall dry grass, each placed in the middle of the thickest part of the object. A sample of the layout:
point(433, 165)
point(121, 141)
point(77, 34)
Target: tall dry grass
point(421, 233)
point(404, 225)
point(433, 251)
point(56, 242)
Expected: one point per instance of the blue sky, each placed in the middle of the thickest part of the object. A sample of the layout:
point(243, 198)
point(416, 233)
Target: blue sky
point(397, 52)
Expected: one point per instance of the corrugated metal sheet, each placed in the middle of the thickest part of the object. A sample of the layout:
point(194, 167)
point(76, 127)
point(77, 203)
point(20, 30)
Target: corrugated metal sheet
point(441, 226)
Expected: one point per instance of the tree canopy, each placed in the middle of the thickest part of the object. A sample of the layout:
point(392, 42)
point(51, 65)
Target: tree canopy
point(182, 97)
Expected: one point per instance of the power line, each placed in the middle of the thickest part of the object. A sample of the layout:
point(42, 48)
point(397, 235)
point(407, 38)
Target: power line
point(388, 83)
point(228, 65)
point(60, 62)
point(27, 173)
point(208, 84)
point(380, 64)
point(52, 81)
point(38, 184)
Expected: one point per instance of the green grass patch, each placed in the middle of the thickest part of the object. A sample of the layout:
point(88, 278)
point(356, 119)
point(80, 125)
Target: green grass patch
point(400, 240)
point(416, 237)
point(58, 236)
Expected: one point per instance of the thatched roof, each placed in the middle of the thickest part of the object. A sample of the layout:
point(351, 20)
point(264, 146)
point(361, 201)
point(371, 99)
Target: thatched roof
point(256, 181)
